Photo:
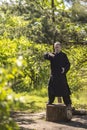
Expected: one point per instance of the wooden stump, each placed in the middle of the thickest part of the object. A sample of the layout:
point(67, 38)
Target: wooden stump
point(57, 112)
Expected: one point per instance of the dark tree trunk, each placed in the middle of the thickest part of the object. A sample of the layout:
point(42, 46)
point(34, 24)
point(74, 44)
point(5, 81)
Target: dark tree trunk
point(52, 5)
point(53, 20)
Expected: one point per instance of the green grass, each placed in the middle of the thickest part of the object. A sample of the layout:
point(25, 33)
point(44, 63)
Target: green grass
point(35, 101)
point(80, 99)
point(31, 101)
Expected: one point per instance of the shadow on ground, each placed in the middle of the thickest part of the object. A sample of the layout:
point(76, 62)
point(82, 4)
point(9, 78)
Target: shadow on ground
point(77, 121)
point(37, 121)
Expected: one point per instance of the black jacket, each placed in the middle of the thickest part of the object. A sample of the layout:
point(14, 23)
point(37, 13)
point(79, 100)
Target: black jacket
point(58, 85)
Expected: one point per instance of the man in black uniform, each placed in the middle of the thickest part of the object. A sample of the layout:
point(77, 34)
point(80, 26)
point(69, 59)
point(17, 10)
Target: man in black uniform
point(58, 86)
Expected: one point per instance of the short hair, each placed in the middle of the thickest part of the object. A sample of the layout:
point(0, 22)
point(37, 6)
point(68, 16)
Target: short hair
point(57, 43)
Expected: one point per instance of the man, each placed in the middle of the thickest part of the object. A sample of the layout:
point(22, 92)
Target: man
point(58, 86)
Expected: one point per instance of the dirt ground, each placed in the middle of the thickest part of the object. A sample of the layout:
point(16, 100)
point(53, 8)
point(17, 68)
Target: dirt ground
point(37, 121)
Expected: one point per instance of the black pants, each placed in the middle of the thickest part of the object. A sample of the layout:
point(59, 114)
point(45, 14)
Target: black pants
point(66, 99)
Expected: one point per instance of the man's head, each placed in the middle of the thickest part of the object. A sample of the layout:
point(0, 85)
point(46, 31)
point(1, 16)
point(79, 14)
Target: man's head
point(57, 47)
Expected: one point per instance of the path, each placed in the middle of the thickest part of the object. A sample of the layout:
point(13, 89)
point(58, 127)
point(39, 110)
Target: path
point(37, 121)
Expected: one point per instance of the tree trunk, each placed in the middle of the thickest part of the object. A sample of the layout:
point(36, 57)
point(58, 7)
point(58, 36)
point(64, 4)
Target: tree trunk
point(52, 5)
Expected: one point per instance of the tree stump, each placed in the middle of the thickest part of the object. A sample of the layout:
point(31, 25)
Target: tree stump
point(58, 112)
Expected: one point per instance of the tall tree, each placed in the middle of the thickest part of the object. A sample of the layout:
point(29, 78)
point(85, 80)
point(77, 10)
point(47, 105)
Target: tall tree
point(53, 7)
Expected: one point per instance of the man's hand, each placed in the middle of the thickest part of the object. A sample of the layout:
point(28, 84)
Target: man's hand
point(63, 70)
point(50, 54)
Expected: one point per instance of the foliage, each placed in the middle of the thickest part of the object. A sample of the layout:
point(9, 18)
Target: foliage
point(79, 11)
point(33, 69)
point(78, 60)
point(22, 66)
point(6, 102)
point(49, 22)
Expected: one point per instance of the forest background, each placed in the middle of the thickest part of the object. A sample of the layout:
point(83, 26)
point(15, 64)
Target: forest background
point(28, 29)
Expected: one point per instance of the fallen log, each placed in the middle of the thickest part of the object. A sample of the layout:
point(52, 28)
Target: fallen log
point(79, 112)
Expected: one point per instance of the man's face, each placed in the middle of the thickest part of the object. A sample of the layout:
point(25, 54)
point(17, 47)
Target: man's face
point(57, 47)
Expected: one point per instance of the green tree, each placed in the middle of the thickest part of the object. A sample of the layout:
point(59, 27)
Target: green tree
point(51, 21)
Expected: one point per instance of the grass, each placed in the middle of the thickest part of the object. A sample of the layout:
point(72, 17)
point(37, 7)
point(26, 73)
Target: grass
point(31, 101)
point(80, 99)
point(35, 101)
